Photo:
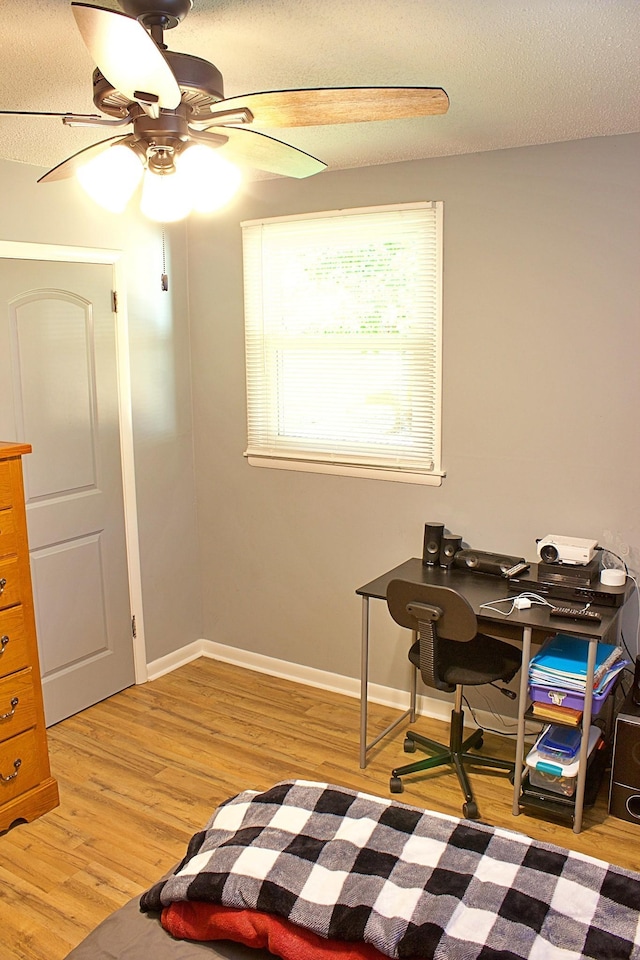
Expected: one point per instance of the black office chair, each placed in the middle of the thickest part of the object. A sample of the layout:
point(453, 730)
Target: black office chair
point(449, 653)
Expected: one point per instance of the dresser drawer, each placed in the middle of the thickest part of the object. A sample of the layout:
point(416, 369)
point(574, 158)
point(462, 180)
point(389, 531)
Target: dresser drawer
point(8, 533)
point(17, 704)
point(9, 583)
point(22, 765)
point(5, 484)
point(14, 653)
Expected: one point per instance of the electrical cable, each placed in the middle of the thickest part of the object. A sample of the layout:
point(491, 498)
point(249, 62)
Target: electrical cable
point(532, 597)
point(623, 562)
point(637, 593)
point(631, 577)
point(501, 733)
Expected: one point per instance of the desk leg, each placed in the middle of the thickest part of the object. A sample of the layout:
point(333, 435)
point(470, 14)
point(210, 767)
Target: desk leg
point(522, 706)
point(364, 693)
point(414, 688)
point(584, 744)
point(364, 681)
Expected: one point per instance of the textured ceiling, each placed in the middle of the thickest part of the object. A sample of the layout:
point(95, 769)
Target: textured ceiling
point(516, 73)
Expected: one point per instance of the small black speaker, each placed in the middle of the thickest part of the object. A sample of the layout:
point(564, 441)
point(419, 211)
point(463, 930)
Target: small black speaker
point(433, 533)
point(450, 545)
point(635, 690)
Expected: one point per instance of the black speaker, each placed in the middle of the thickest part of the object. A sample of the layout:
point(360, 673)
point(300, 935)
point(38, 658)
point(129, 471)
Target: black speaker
point(450, 545)
point(624, 795)
point(433, 533)
point(635, 690)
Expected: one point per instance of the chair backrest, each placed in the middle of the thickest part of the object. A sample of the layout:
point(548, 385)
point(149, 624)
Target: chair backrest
point(436, 614)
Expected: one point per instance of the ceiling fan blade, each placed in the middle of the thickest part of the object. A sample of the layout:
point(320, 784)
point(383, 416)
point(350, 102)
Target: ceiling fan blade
point(264, 153)
point(126, 55)
point(305, 108)
point(49, 113)
point(69, 166)
point(71, 119)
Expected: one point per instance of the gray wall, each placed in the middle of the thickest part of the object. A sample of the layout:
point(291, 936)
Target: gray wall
point(541, 397)
point(59, 213)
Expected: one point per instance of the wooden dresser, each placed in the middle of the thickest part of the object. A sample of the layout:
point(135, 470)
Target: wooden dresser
point(27, 789)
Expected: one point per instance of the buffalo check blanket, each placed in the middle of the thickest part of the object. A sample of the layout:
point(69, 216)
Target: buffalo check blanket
point(410, 882)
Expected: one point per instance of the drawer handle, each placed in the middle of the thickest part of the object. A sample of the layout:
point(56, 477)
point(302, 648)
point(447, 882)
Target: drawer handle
point(14, 703)
point(3, 584)
point(3, 642)
point(16, 766)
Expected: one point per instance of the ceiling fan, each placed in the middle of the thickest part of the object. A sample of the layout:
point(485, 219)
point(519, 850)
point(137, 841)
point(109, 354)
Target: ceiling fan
point(175, 103)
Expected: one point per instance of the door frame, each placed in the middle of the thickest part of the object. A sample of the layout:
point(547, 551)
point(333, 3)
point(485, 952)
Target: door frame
point(19, 250)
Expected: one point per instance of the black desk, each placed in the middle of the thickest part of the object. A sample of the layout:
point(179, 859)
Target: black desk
point(524, 626)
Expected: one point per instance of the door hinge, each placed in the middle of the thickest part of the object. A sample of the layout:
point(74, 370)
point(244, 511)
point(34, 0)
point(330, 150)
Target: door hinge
point(114, 301)
point(133, 627)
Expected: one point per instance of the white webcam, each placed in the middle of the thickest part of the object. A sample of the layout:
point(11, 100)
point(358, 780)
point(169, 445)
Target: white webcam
point(553, 549)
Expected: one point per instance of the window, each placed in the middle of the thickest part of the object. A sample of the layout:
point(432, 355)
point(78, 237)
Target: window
point(343, 341)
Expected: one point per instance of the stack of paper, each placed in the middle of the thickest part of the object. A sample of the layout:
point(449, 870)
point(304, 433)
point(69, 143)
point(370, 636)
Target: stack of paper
point(562, 662)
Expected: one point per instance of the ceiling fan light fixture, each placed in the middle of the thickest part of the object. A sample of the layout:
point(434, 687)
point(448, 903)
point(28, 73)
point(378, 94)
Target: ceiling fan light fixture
point(213, 180)
point(111, 177)
point(165, 197)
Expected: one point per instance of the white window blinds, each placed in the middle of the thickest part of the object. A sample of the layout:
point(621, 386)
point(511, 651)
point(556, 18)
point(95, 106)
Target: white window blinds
point(343, 341)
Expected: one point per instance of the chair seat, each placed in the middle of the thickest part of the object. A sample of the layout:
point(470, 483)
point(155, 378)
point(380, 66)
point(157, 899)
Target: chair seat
point(481, 660)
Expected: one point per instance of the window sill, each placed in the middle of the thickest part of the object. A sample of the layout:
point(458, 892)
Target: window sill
point(343, 470)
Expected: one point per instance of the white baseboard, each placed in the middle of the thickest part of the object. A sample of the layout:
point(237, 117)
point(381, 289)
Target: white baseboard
point(158, 668)
point(349, 686)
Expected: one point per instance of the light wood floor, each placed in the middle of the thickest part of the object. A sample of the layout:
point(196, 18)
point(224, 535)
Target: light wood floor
point(142, 771)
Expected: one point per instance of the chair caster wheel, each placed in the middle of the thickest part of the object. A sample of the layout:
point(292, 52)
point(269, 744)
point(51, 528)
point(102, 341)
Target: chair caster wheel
point(395, 785)
point(480, 744)
point(409, 745)
point(470, 810)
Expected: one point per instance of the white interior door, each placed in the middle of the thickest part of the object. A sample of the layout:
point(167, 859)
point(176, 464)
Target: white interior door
point(59, 392)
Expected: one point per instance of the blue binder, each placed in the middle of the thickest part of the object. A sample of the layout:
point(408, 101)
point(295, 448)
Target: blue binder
point(564, 658)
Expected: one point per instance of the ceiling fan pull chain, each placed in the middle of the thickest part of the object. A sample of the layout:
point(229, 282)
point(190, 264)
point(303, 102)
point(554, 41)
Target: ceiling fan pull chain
point(164, 280)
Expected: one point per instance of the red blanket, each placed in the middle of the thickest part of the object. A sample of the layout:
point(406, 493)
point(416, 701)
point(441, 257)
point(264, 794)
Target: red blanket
point(194, 920)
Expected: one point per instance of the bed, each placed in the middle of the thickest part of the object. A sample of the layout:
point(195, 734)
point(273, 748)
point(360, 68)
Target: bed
point(314, 871)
